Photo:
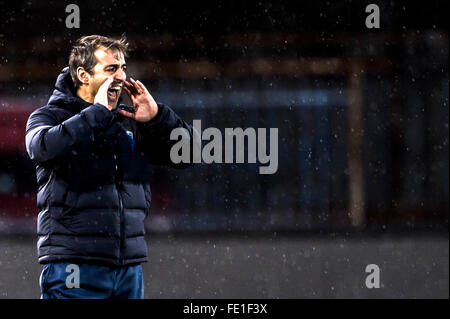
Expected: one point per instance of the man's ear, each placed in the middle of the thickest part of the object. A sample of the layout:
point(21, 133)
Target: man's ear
point(82, 75)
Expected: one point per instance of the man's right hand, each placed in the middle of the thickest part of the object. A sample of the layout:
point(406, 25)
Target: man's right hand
point(102, 93)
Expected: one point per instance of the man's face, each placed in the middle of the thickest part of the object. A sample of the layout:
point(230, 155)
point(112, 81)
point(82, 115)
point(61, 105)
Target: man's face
point(109, 63)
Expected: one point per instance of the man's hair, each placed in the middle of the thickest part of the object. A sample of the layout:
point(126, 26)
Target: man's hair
point(82, 53)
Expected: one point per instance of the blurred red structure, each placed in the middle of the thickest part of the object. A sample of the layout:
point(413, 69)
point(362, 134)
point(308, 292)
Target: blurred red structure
point(12, 128)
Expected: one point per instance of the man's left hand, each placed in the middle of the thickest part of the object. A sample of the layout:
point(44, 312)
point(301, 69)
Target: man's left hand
point(145, 107)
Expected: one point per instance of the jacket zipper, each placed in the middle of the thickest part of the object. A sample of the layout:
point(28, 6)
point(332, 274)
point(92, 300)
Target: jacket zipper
point(122, 235)
point(122, 227)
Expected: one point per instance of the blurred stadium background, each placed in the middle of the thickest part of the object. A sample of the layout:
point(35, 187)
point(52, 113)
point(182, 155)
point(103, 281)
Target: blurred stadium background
point(362, 115)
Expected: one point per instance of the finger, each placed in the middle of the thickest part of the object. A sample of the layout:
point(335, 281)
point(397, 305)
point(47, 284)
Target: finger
point(128, 84)
point(127, 114)
point(128, 92)
point(131, 87)
point(138, 89)
point(132, 81)
point(142, 86)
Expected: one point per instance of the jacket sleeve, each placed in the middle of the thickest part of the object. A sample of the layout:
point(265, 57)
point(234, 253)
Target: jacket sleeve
point(47, 140)
point(155, 136)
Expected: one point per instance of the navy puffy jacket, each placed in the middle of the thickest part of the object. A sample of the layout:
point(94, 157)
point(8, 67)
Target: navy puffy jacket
point(93, 196)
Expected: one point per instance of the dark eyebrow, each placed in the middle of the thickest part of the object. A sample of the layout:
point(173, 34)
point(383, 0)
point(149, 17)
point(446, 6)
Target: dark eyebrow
point(115, 65)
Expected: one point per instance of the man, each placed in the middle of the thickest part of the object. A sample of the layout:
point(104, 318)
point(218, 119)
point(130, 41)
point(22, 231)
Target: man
point(90, 153)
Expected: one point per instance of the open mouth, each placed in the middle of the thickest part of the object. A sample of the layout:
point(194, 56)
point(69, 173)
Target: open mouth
point(113, 92)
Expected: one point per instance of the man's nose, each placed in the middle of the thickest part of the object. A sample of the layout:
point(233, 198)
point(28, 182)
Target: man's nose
point(120, 76)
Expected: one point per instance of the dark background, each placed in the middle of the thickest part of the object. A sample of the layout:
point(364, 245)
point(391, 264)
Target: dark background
point(289, 65)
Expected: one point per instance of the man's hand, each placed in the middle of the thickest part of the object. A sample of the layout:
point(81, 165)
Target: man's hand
point(145, 107)
point(102, 93)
